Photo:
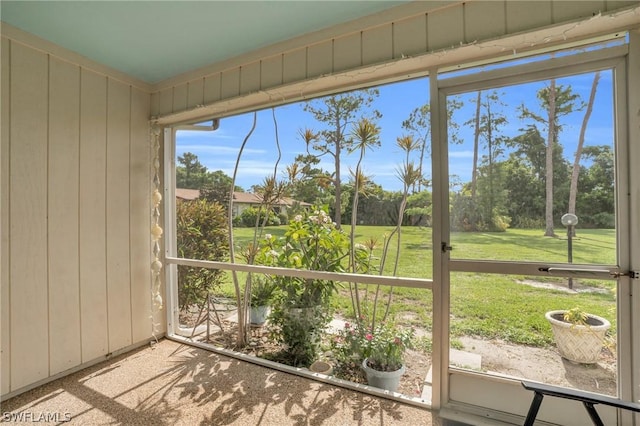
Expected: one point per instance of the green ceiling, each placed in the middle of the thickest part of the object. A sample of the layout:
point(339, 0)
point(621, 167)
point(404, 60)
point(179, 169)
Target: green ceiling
point(156, 40)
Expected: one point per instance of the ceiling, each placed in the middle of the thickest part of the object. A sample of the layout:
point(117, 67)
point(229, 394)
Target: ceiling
point(157, 40)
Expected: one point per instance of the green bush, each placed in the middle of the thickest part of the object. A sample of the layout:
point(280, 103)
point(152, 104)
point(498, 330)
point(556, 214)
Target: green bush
point(248, 218)
point(302, 310)
point(604, 220)
point(201, 234)
point(283, 217)
point(529, 223)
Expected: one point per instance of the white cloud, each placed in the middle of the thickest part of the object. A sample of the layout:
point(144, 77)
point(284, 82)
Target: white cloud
point(200, 135)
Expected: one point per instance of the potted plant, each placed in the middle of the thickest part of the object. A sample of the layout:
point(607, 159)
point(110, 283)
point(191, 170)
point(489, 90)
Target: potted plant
point(301, 311)
point(579, 335)
point(262, 292)
point(379, 351)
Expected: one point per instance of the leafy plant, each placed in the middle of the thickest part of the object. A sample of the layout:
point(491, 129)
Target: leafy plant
point(575, 316)
point(201, 234)
point(301, 310)
point(384, 346)
point(262, 291)
point(249, 216)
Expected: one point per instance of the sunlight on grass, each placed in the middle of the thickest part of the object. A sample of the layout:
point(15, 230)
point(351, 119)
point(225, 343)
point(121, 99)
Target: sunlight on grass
point(483, 305)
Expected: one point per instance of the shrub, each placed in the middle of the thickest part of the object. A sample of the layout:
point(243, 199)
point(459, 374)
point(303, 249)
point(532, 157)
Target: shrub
point(302, 310)
point(283, 217)
point(524, 222)
point(384, 346)
point(248, 218)
point(201, 234)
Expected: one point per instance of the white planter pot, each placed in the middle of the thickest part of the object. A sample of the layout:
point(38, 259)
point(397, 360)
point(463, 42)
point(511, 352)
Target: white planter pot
point(258, 314)
point(388, 380)
point(578, 343)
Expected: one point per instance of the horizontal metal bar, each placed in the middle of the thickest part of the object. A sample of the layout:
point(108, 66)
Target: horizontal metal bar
point(574, 271)
point(535, 268)
point(303, 273)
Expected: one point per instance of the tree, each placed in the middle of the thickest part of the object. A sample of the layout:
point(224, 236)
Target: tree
point(487, 123)
point(217, 187)
point(338, 113)
point(365, 135)
point(476, 146)
point(557, 101)
point(419, 127)
point(576, 163)
point(307, 182)
point(596, 192)
point(419, 208)
point(191, 174)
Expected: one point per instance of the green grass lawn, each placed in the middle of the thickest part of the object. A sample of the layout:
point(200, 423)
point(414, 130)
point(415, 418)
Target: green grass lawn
point(485, 305)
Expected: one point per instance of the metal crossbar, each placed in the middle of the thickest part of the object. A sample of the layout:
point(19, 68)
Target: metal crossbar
point(588, 399)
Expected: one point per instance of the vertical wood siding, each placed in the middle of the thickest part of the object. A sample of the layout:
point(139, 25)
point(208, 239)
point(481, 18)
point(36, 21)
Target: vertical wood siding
point(93, 177)
point(63, 201)
point(28, 238)
point(76, 176)
point(140, 168)
point(5, 329)
point(118, 210)
point(431, 31)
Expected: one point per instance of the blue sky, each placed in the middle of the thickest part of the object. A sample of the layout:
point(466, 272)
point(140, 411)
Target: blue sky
point(218, 150)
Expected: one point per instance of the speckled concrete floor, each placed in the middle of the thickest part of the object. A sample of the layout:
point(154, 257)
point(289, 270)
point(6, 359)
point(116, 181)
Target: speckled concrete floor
point(175, 384)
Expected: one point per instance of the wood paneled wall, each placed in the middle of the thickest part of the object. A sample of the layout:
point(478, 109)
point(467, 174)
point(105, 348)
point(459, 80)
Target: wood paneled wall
point(438, 27)
point(76, 211)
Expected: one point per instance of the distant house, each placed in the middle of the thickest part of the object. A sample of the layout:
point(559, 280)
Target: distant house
point(244, 200)
point(187, 194)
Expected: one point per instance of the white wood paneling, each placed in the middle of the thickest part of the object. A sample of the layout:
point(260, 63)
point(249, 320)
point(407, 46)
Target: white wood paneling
point(92, 221)
point(155, 104)
point(62, 196)
point(180, 94)
point(230, 83)
point(410, 36)
point(28, 214)
point(5, 307)
point(165, 103)
point(294, 66)
point(377, 44)
point(445, 28)
point(271, 74)
point(614, 4)
point(424, 28)
point(75, 214)
point(568, 10)
point(195, 93)
point(347, 52)
point(320, 59)
point(478, 15)
point(212, 88)
point(250, 78)
point(524, 15)
point(118, 258)
point(140, 207)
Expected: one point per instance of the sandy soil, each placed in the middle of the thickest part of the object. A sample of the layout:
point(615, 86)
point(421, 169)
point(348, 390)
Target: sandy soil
point(544, 365)
point(496, 357)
